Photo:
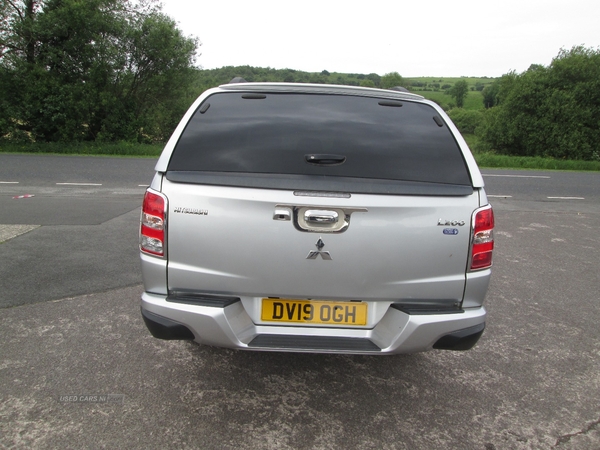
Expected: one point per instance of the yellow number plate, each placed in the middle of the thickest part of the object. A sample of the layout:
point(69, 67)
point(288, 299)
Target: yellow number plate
point(314, 311)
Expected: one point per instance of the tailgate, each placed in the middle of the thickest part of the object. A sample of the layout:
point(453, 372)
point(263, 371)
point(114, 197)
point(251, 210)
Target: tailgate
point(248, 242)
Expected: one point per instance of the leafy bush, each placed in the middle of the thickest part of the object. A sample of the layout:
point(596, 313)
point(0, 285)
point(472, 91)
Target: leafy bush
point(467, 121)
point(549, 111)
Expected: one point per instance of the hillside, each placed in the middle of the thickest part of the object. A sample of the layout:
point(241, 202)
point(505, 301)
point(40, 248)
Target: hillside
point(433, 88)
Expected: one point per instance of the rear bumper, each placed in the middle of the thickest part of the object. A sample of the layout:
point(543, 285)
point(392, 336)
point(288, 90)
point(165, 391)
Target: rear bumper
point(229, 325)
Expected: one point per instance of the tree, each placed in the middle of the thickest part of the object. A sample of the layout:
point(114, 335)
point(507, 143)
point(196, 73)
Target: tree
point(376, 79)
point(94, 69)
point(459, 92)
point(16, 29)
point(17, 49)
point(490, 94)
point(392, 79)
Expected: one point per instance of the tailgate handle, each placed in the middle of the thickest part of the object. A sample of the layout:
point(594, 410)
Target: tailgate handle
point(321, 217)
point(325, 160)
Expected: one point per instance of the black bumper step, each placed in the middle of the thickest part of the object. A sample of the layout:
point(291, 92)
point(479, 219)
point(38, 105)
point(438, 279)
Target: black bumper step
point(274, 341)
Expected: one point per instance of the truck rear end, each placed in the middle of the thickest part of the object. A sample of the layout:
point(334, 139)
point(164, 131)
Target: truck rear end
point(316, 219)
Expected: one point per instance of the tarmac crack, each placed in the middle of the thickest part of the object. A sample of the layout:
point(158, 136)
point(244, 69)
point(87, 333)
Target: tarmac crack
point(567, 437)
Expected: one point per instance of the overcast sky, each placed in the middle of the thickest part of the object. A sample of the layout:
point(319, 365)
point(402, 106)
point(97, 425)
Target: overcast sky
point(413, 38)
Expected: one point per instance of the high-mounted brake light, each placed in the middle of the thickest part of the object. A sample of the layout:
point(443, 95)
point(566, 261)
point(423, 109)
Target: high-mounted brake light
point(482, 244)
point(152, 227)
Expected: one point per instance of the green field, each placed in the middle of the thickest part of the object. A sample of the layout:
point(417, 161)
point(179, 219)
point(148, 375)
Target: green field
point(474, 99)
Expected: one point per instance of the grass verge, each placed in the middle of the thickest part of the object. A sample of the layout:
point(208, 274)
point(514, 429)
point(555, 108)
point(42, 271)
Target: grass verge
point(492, 160)
point(496, 161)
point(487, 159)
point(85, 148)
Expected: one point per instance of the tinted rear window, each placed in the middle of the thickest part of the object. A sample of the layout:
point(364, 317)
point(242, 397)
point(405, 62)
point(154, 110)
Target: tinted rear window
point(274, 133)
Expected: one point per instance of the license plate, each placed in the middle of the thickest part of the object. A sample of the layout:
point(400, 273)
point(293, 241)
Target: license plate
point(314, 311)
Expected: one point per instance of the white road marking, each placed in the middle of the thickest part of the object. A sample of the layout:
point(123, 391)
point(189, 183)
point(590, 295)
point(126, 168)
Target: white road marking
point(500, 196)
point(9, 182)
point(78, 184)
point(515, 176)
point(568, 198)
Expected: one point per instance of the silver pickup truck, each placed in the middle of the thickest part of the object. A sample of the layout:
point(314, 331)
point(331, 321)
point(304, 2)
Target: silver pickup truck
point(316, 218)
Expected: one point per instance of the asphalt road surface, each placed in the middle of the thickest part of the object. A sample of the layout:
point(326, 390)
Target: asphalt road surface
point(79, 369)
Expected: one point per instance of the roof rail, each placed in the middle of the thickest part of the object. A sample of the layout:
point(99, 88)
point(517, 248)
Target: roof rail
point(237, 80)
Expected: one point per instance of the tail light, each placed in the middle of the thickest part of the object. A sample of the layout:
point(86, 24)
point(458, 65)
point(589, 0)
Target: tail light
point(482, 244)
point(152, 228)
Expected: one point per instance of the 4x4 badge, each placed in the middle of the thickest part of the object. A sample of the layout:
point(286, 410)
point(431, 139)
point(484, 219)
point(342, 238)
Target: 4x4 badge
point(325, 255)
